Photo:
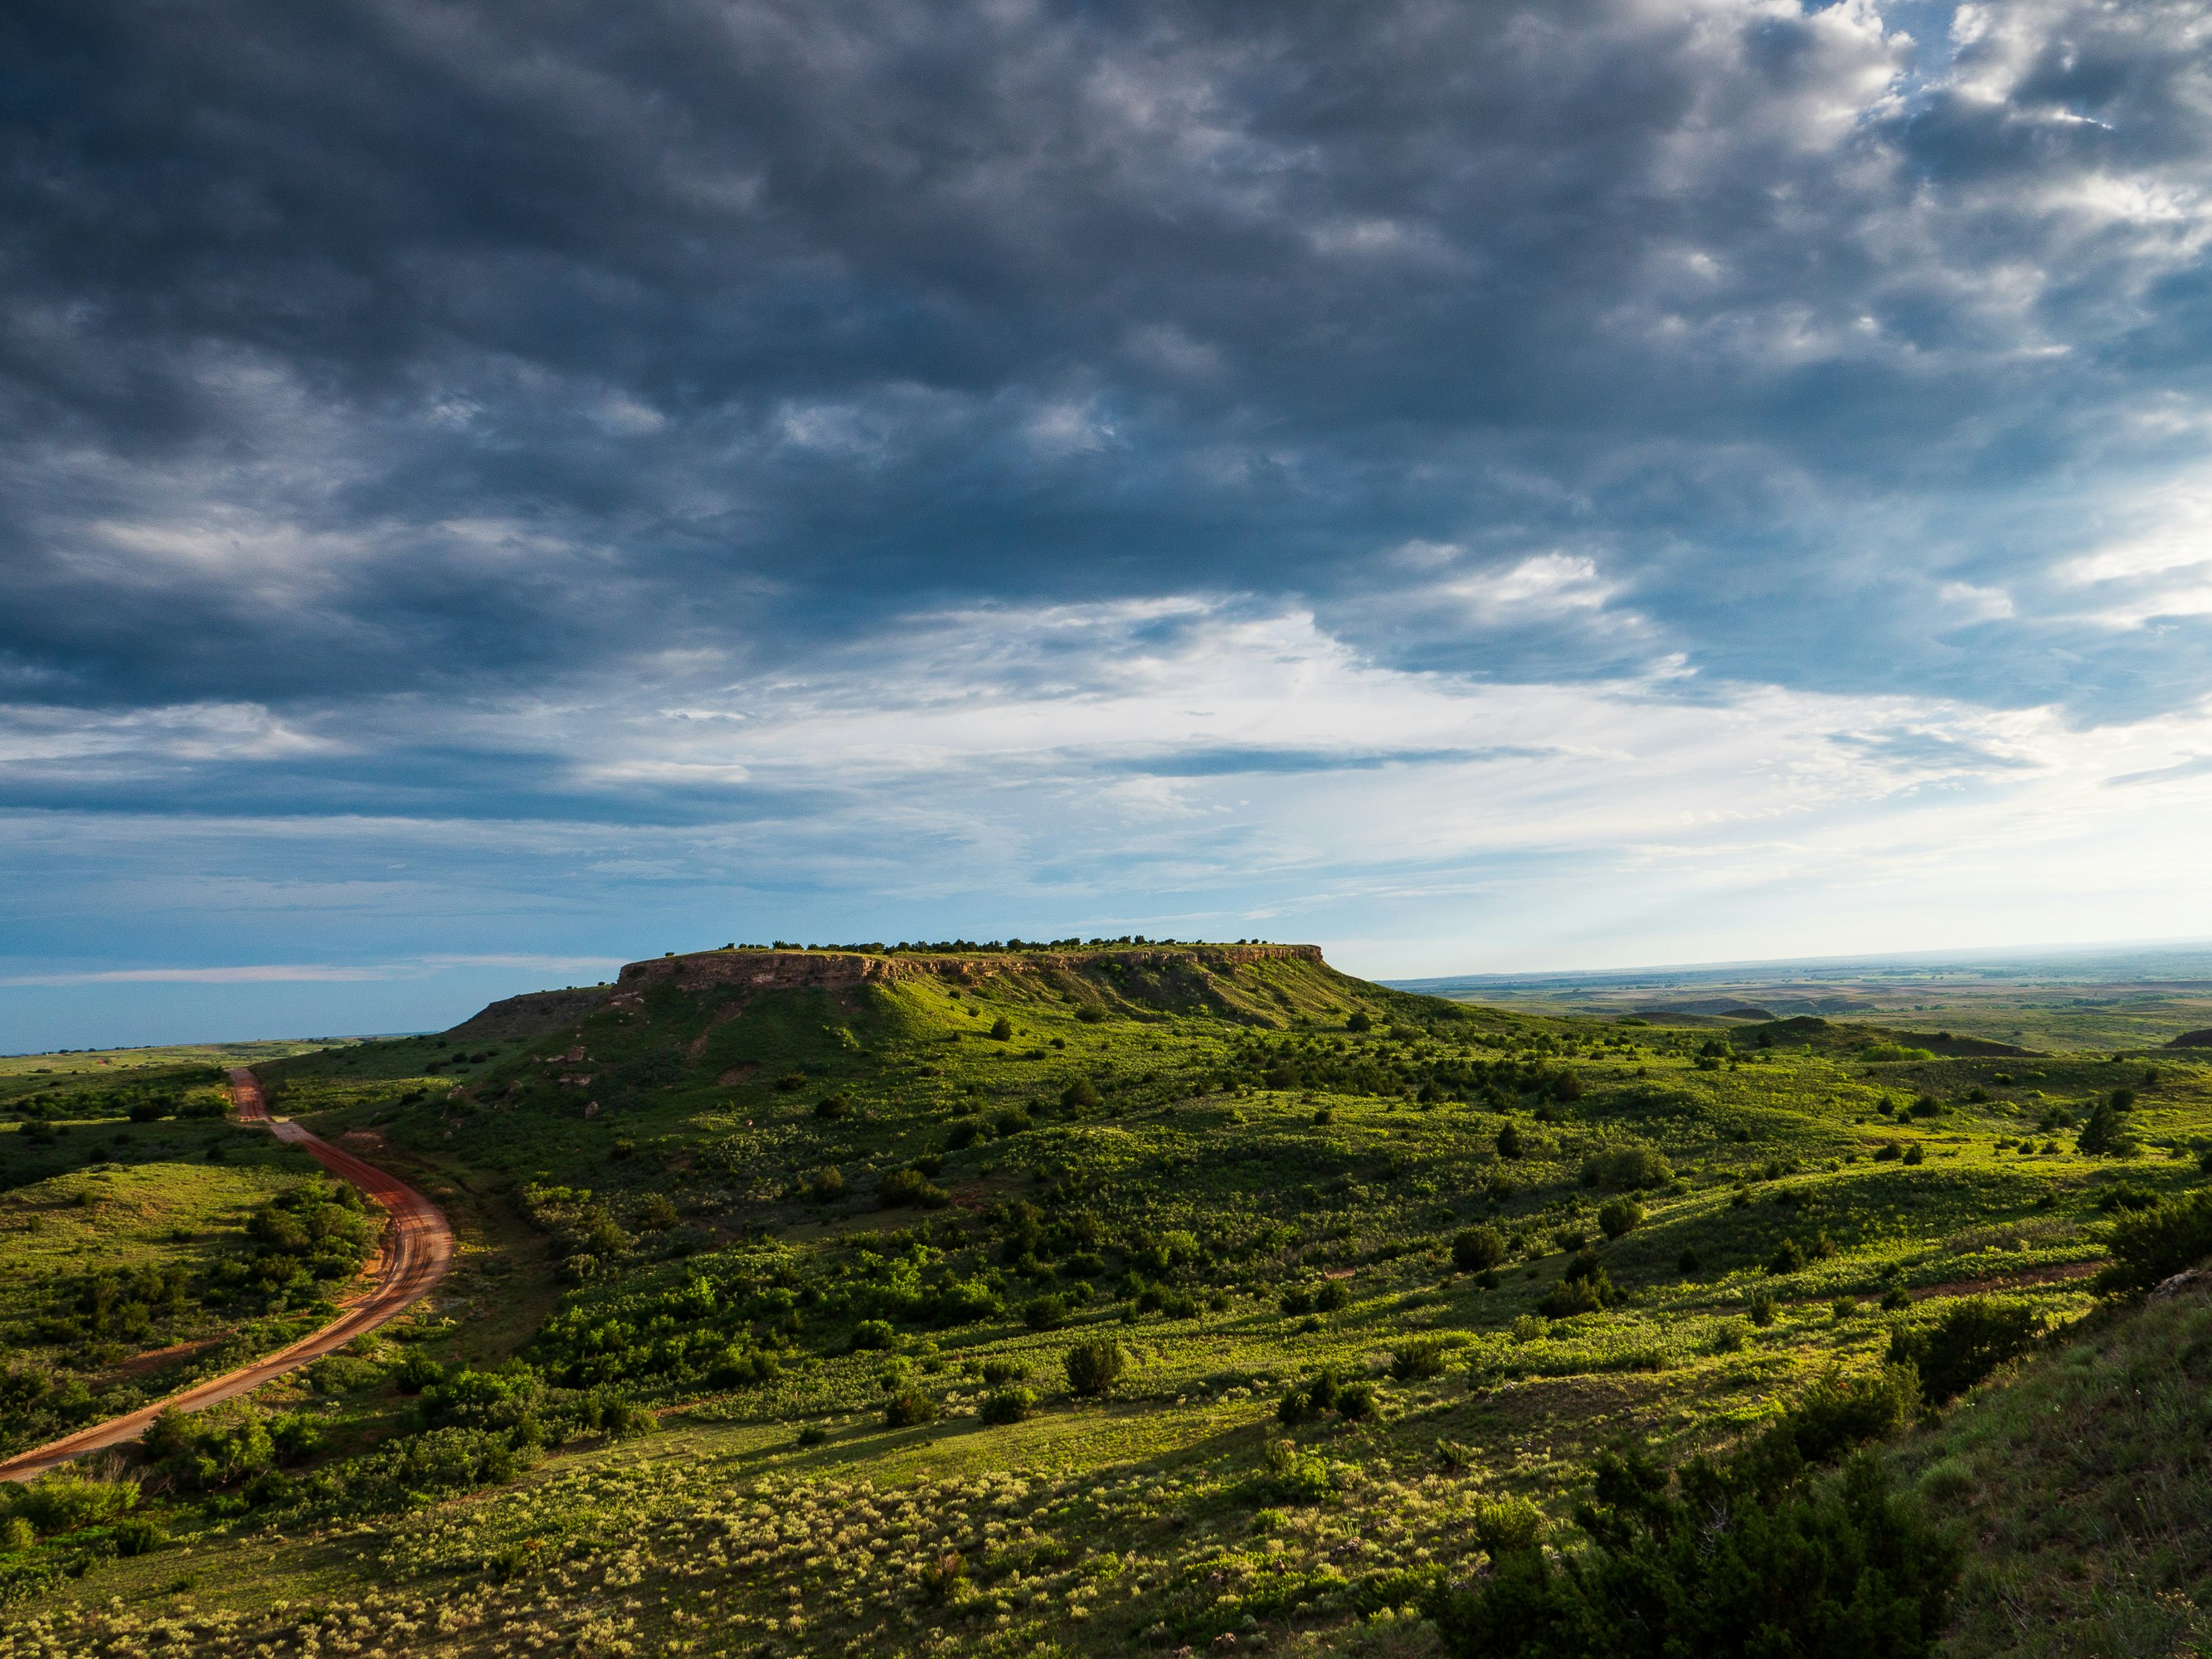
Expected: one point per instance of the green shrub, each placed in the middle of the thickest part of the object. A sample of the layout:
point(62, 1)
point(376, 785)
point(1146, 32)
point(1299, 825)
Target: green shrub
point(1009, 1406)
point(65, 1500)
point(997, 1373)
point(1762, 1308)
point(1789, 1257)
point(874, 1335)
point(832, 1106)
point(1001, 1029)
point(1620, 1217)
point(1420, 1359)
point(416, 1372)
point(2154, 1244)
point(344, 1374)
point(1970, 1340)
point(910, 1189)
point(1332, 1296)
point(1079, 1095)
point(2104, 1135)
point(415, 1472)
point(1090, 1013)
point(907, 1409)
point(138, 1534)
point(1838, 1413)
point(1836, 1569)
point(1094, 1367)
point(1627, 1167)
point(1045, 1313)
point(1585, 1287)
point(1506, 1526)
point(1478, 1248)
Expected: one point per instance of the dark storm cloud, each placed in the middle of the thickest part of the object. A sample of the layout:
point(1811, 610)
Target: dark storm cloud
point(461, 348)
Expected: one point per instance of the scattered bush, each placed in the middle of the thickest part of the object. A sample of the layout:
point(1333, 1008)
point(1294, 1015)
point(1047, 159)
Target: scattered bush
point(1585, 1287)
point(1001, 1029)
point(874, 1335)
point(1838, 1413)
point(908, 1409)
point(416, 1372)
point(1079, 1095)
point(2104, 1135)
point(65, 1501)
point(1841, 1567)
point(1045, 1313)
point(910, 1189)
point(1970, 1340)
point(1009, 1406)
point(1419, 1359)
point(1506, 1526)
point(832, 1106)
point(1626, 1167)
point(1477, 1249)
point(1094, 1367)
point(2153, 1245)
point(1620, 1217)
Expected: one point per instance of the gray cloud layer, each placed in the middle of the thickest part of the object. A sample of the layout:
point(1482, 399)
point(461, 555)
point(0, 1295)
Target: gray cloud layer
point(375, 342)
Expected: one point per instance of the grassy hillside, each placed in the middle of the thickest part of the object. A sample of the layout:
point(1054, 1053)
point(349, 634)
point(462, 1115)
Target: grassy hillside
point(835, 1225)
point(2086, 1487)
point(128, 1263)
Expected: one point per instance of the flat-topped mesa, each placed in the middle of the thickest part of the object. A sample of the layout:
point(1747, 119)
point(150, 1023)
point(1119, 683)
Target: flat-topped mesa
point(784, 970)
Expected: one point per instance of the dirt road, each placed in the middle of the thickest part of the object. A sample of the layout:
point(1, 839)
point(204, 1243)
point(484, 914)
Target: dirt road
point(417, 1249)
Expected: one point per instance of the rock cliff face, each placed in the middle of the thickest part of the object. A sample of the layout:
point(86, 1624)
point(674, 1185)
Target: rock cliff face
point(786, 970)
point(531, 1015)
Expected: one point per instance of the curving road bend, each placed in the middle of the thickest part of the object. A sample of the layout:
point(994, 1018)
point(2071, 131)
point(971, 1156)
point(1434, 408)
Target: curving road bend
point(417, 1249)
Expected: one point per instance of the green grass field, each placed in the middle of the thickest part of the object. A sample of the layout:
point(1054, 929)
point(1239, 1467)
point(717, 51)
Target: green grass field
point(780, 1220)
point(117, 1234)
point(116, 1062)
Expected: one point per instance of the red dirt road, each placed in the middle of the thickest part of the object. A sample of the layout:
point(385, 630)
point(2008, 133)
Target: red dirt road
point(417, 1249)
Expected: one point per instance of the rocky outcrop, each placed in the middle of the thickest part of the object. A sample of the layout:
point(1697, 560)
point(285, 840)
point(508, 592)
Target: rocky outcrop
point(531, 1015)
point(788, 970)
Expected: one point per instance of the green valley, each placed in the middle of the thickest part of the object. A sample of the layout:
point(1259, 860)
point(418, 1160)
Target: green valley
point(1119, 1296)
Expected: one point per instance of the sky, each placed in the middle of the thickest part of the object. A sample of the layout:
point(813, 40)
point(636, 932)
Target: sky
point(489, 492)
